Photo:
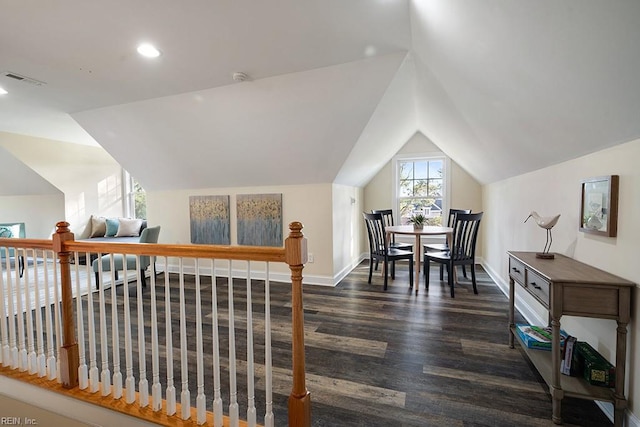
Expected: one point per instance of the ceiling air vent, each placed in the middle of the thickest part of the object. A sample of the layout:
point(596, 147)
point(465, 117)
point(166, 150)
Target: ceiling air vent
point(23, 79)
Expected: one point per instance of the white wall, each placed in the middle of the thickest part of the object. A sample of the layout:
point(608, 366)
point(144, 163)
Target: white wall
point(88, 176)
point(309, 204)
point(347, 229)
point(39, 213)
point(554, 190)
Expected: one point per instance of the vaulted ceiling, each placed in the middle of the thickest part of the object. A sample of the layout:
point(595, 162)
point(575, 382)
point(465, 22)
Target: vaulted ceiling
point(335, 87)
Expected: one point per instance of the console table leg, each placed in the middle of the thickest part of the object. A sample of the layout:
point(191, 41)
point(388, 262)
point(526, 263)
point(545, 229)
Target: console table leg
point(556, 390)
point(512, 293)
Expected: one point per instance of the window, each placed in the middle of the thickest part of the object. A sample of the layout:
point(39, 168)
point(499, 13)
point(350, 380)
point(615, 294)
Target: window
point(136, 202)
point(421, 184)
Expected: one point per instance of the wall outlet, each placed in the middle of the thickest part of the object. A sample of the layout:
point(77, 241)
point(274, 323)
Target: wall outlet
point(310, 257)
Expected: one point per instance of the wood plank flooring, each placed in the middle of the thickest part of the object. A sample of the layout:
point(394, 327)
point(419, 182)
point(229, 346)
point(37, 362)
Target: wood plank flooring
point(379, 358)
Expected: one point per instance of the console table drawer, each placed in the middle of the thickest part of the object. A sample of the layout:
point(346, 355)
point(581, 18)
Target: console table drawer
point(538, 287)
point(516, 271)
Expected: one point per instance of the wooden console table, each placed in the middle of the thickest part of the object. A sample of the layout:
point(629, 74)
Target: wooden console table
point(566, 286)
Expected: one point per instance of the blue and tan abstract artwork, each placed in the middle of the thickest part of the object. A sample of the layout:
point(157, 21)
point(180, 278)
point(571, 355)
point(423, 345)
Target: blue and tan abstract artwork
point(259, 219)
point(210, 220)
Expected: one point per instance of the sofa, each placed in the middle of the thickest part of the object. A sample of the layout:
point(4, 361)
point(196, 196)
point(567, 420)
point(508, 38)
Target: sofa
point(113, 230)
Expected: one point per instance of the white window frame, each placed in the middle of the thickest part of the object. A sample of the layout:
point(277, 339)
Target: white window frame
point(129, 199)
point(446, 184)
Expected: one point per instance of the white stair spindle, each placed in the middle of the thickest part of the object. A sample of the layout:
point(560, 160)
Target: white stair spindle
point(234, 415)
point(83, 375)
point(185, 396)
point(13, 348)
point(171, 389)
point(251, 396)
point(115, 339)
point(56, 313)
point(217, 396)
point(32, 358)
point(5, 352)
point(130, 381)
point(156, 388)
point(94, 381)
point(201, 401)
point(51, 359)
point(268, 416)
point(143, 383)
point(20, 291)
point(41, 360)
point(105, 374)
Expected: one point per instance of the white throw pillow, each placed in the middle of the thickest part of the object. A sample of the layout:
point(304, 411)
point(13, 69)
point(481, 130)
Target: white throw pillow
point(98, 226)
point(129, 227)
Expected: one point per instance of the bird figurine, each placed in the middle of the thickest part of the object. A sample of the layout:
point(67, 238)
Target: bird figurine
point(546, 222)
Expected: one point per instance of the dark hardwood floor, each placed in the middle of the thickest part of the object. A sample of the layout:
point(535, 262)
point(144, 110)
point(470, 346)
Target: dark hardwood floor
point(377, 358)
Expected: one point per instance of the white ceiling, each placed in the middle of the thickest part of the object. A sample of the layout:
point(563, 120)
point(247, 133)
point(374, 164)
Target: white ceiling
point(337, 87)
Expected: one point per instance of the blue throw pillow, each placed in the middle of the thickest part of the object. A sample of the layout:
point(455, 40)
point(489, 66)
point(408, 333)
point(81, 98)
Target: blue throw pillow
point(112, 227)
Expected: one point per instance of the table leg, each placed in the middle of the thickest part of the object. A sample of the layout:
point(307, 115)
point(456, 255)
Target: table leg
point(417, 252)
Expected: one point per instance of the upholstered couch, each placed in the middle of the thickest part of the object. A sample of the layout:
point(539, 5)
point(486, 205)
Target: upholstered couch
point(113, 230)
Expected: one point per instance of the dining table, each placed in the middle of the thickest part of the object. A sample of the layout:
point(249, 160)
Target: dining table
point(427, 230)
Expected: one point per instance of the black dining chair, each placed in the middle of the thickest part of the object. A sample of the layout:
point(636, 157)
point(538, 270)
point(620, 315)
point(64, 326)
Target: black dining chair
point(439, 247)
point(387, 216)
point(462, 251)
point(380, 251)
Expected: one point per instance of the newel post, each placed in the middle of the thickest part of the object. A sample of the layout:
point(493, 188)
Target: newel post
point(296, 256)
point(69, 358)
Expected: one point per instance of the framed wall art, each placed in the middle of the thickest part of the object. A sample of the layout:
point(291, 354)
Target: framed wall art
point(599, 205)
point(209, 220)
point(259, 219)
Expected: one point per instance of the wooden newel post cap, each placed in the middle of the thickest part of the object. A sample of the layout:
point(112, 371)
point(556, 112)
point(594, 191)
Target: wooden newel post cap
point(295, 245)
point(62, 227)
point(62, 234)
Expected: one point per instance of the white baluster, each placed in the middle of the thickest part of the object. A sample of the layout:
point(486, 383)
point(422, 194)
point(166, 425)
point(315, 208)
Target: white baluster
point(217, 396)
point(94, 383)
point(13, 348)
point(57, 314)
point(234, 416)
point(143, 383)
point(171, 390)
point(105, 374)
point(41, 361)
point(201, 402)
point(5, 352)
point(185, 396)
point(251, 403)
point(49, 322)
point(156, 388)
point(83, 375)
point(130, 382)
point(268, 416)
point(32, 358)
point(22, 349)
point(115, 337)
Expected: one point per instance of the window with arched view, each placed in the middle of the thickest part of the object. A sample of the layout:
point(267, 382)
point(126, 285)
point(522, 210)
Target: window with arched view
point(421, 183)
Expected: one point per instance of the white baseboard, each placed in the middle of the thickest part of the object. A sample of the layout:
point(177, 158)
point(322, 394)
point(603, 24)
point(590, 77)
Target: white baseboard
point(532, 317)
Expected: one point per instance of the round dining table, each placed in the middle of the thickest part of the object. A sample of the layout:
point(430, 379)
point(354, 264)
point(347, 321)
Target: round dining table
point(427, 230)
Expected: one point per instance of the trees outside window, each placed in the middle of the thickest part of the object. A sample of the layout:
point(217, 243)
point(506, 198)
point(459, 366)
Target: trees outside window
point(421, 184)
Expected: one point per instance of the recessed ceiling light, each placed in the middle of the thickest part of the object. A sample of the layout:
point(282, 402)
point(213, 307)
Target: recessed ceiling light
point(148, 50)
point(3, 92)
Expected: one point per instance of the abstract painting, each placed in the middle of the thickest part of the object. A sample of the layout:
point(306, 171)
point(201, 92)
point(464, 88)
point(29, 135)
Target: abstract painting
point(259, 219)
point(210, 220)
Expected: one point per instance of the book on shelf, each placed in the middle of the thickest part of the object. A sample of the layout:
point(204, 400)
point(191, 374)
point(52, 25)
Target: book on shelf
point(568, 356)
point(538, 337)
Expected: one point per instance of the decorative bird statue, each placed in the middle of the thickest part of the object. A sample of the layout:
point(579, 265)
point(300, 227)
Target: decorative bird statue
point(546, 222)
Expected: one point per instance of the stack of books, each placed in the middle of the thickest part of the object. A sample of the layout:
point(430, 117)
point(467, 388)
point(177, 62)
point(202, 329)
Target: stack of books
point(538, 337)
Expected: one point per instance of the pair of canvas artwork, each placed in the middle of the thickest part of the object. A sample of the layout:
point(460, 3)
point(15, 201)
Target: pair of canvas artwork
point(259, 219)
